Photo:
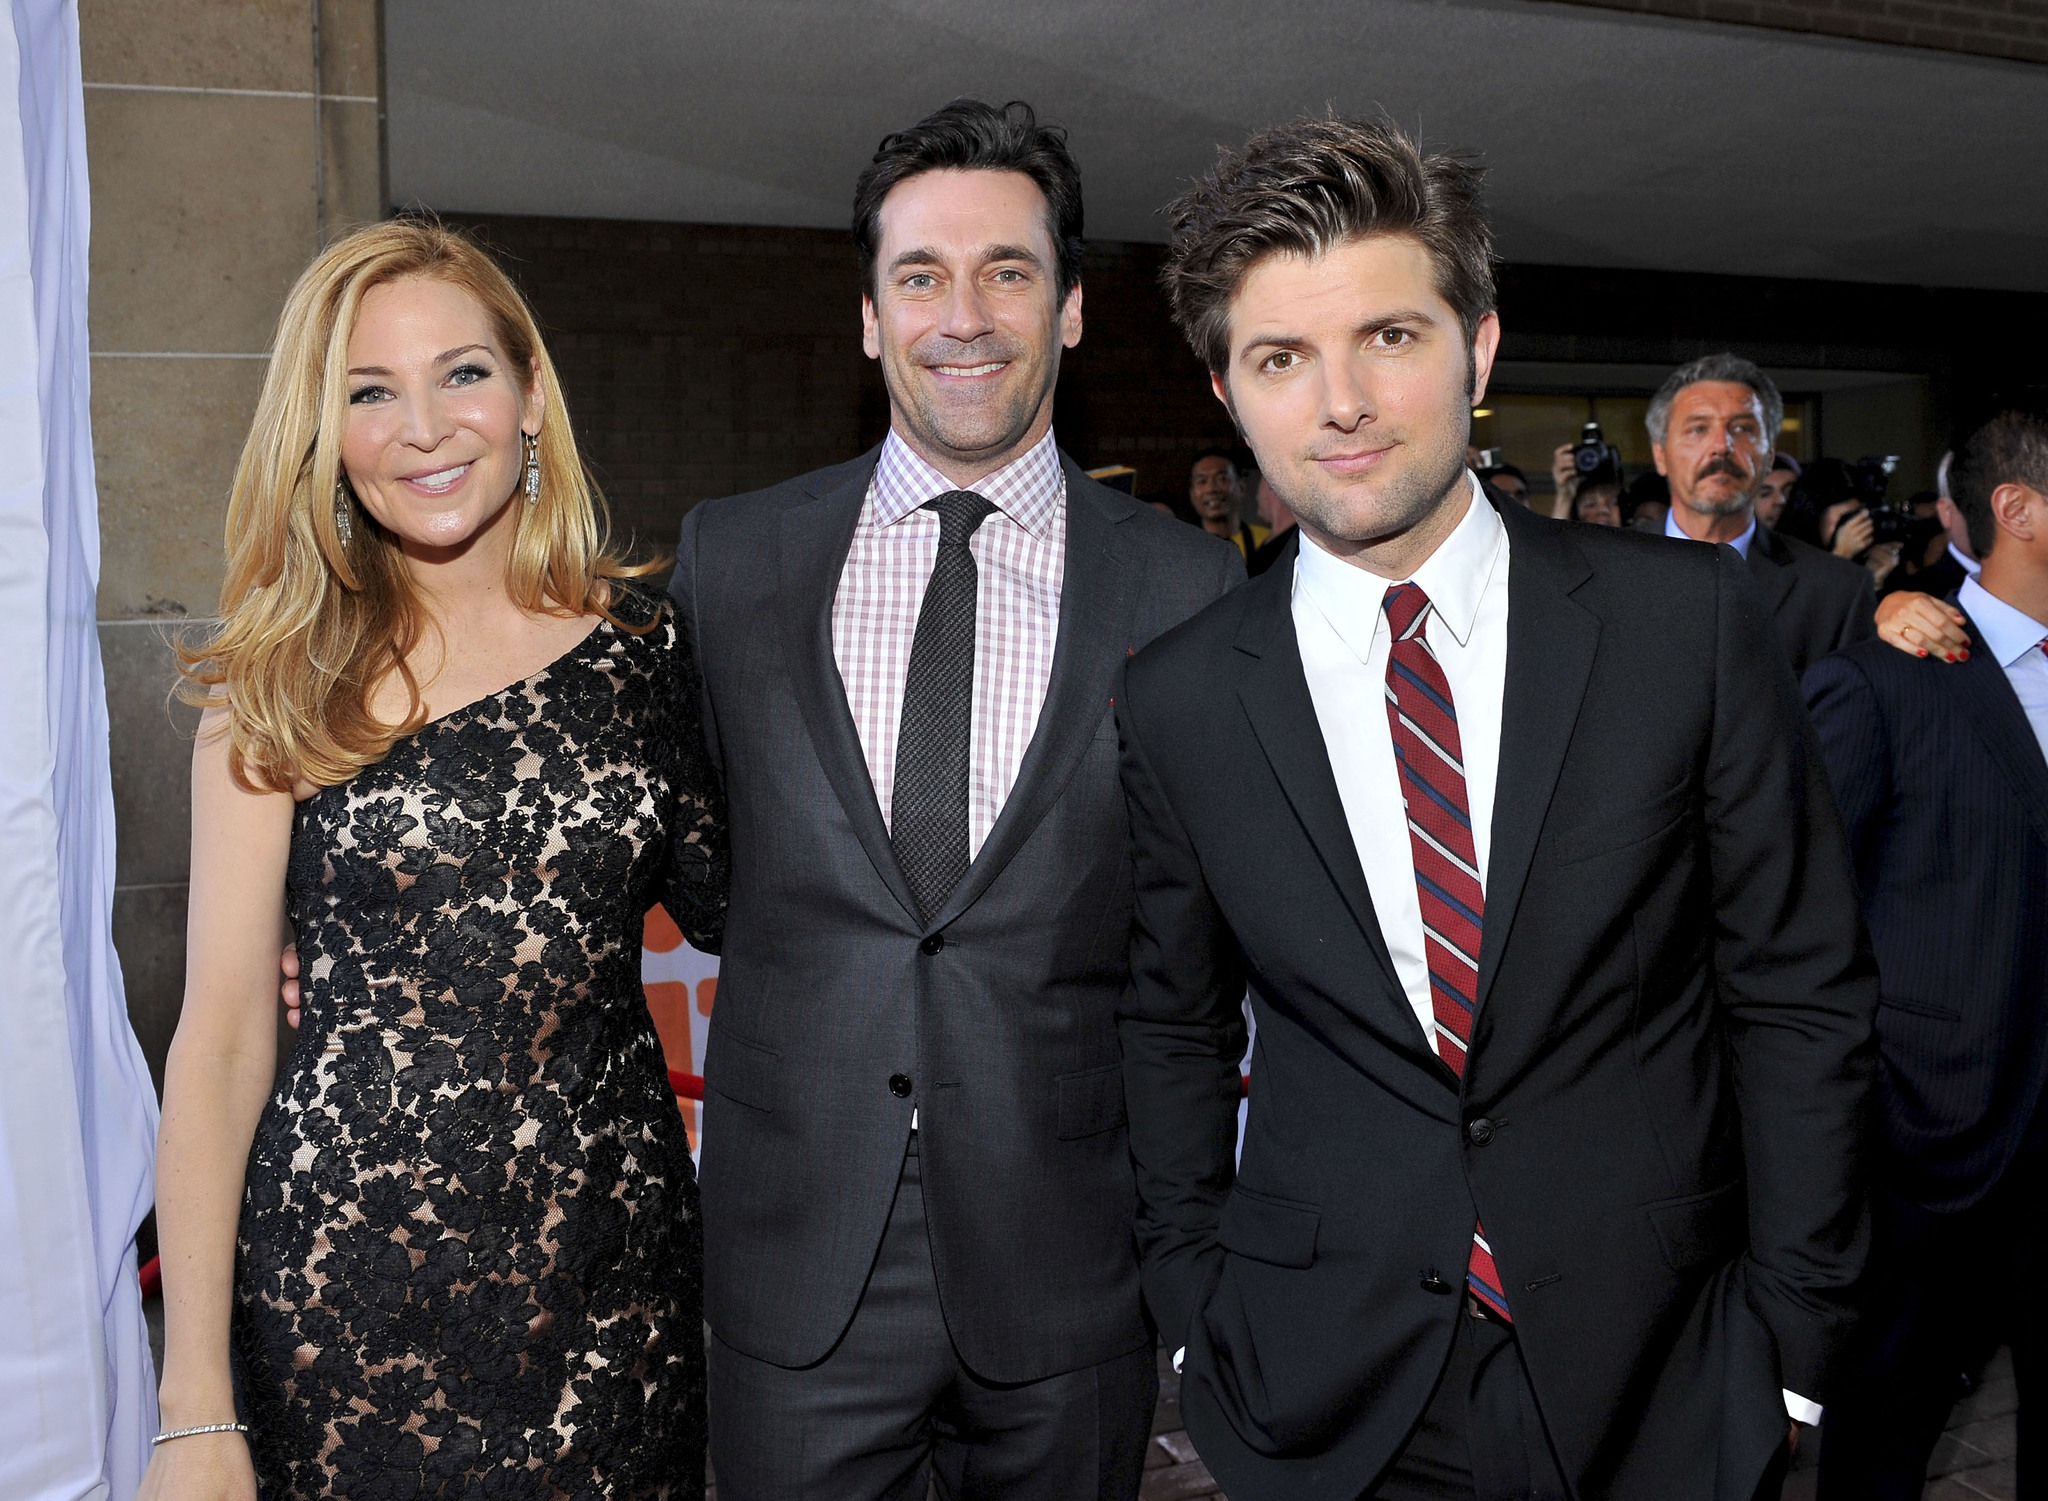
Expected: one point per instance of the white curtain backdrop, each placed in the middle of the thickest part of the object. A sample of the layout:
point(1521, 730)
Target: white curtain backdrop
point(77, 1112)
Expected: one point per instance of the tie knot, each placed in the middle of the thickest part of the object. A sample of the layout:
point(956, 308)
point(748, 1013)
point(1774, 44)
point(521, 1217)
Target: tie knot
point(1406, 606)
point(960, 512)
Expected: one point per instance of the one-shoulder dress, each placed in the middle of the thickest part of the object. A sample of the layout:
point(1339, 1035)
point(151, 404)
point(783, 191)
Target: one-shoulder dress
point(469, 1261)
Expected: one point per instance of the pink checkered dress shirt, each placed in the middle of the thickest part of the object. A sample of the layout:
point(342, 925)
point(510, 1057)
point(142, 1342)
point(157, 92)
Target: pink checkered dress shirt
point(1020, 552)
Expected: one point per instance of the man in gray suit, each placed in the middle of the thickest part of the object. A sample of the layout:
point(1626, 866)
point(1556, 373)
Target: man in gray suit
point(918, 1201)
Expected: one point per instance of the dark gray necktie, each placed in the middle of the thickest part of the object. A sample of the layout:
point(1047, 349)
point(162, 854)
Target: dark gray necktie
point(928, 813)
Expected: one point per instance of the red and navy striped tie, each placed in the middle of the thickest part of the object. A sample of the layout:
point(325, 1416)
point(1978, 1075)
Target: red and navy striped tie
point(1424, 721)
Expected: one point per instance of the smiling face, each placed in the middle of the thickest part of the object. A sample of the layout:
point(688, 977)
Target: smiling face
point(967, 319)
point(1352, 379)
point(1716, 448)
point(433, 447)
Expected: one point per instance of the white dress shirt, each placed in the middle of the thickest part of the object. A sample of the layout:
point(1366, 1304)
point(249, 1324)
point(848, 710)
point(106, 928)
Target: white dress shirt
point(1345, 642)
point(2014, 640)
point(1740, 544)
point(1970, 565)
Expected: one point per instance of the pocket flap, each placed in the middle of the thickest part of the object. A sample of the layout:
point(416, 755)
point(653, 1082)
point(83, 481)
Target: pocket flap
point(741, 1070)
point(1271, 1230)
point(1091, 1101)
point(1701, 1229)
point(1622, 830)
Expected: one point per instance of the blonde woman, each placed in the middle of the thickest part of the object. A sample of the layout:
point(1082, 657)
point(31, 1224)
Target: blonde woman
point(453, 742)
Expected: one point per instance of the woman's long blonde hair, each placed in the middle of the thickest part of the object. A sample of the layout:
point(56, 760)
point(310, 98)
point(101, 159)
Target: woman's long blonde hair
point(309, 626)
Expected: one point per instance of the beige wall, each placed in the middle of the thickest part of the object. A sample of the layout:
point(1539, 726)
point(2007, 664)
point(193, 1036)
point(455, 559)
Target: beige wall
point(227, 140)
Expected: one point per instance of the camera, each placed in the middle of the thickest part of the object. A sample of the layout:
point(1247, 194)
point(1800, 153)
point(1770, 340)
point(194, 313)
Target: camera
point(1593, 450)
point(1870, 479)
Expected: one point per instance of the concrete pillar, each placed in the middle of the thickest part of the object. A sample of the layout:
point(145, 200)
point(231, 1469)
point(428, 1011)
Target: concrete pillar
point(228, 140)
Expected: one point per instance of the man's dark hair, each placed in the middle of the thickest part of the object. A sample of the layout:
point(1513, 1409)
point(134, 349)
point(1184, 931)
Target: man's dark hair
point(1308, 187)
point(1504, 469)
point(974, 136)
point(2010, 449)
point(1217, 453)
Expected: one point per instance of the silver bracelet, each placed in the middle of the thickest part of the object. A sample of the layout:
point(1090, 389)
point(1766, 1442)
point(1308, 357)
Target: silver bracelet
point(165, 1438)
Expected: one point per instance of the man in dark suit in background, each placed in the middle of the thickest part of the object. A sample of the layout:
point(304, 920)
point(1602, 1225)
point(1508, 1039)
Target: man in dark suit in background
point(1550, 1182)
point(1712, 427)
point(917, 1187)
point(1941, 774)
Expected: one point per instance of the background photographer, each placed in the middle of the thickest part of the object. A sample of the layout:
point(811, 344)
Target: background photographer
point(1713, 428)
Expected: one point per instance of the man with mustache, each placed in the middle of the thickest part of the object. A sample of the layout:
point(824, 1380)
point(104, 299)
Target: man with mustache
point(916, 1177)
point(1713, 429)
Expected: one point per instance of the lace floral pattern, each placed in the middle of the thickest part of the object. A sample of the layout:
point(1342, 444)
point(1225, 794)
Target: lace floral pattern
point(469, 1261)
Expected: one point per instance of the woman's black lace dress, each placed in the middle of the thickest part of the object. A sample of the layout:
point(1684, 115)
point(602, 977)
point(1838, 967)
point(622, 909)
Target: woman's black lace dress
point(470, 1261)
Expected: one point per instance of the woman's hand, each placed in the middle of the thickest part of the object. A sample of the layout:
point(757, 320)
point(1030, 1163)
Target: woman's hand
point(204, 1467)
point(1923, 625)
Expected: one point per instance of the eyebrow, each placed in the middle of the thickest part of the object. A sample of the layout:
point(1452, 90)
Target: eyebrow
point(1363, 330)
point(930, 255)
point(440, 359)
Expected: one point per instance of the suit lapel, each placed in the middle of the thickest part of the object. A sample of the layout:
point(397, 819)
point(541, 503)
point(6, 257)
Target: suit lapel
point(1986, 698)
point(1770, 567)
point(1098, 595)
point(816, 537)
point(1551, 643)
point(1276, 700)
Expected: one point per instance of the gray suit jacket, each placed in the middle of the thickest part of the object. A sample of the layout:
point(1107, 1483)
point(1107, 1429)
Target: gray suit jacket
point(1000, 1013)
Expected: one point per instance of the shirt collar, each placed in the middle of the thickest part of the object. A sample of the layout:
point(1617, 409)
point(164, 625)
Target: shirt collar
point(2009, 633)
point(1454, 577)
point(1970, 564)
point(1028, 489)
point(1740, 544)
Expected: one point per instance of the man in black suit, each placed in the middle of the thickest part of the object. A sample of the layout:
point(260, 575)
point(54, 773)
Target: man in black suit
point(1941, 778)
point(1515, 828)
point(1712, 427)
point(917, 1188)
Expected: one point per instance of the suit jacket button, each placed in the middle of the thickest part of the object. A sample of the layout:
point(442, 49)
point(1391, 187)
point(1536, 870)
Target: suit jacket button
point(932, 944)
point(900, 1086)
point(1432, 1283)
point(1480, 1131)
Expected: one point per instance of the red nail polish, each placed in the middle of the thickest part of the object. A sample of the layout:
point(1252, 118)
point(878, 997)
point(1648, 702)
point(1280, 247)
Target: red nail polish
point(1922, 654)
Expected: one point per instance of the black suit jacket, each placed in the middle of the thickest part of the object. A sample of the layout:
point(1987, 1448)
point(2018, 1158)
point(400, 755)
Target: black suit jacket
point(1819, 603)
point(1672, 1053)
point(1001, 1010)
point(1945, 794)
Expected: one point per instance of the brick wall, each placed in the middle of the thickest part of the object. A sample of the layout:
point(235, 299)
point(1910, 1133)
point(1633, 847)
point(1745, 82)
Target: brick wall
point(2016, 29)
point(704, 360)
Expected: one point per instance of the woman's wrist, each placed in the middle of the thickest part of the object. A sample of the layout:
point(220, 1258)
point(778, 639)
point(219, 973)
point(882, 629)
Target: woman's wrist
point(193, 1405)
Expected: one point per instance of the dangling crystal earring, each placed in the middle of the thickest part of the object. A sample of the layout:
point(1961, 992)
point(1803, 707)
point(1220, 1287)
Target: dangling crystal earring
point(532, 469)
point(344, 528)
